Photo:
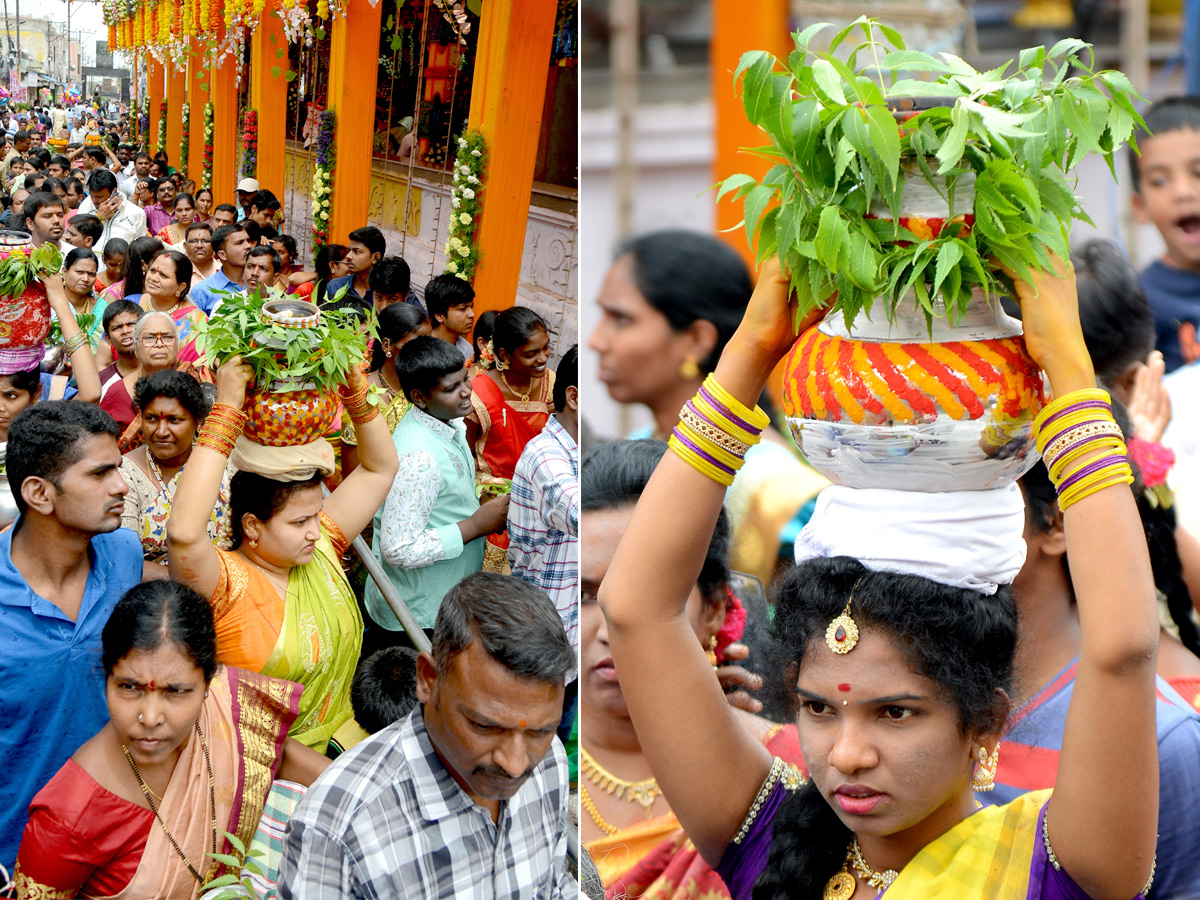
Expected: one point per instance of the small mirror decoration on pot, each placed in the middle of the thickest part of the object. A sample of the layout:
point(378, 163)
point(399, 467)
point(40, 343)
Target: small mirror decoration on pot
point(904, 183)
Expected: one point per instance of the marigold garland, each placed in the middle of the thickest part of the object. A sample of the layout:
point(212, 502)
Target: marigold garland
point(462, 254)
point(185, 137)
point(206, 175)
point(250, 144)
point(322, 182)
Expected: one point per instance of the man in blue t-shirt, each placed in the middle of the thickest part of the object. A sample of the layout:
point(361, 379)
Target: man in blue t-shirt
point(1047, 652)
point(63, 566)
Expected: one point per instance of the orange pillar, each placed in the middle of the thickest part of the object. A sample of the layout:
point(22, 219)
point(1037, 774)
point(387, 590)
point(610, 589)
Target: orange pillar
point(156, 88)
point(352, 75)
point(734, 32)
point(268, 95)
point(176, 94)
point(225, 131)
point(198, 75)
point(507, 99)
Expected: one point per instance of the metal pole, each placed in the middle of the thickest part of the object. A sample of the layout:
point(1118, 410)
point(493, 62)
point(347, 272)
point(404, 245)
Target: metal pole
point(67, 76)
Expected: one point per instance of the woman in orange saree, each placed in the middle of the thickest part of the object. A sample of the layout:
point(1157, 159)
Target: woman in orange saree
point(189, 753)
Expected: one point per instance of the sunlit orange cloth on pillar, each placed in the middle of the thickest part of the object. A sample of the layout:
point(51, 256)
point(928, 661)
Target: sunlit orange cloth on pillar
point(655, 860)
point(75, 846)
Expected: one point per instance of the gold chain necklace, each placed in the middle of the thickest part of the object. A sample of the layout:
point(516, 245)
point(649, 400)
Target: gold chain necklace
point(212, 799)
point(643, 793)
point(270, 577)
point(841, 886)
point(524, 398)
point(585, 800)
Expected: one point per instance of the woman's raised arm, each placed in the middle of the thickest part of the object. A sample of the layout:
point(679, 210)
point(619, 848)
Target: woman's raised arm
point(1103, 815)
point(688, 731)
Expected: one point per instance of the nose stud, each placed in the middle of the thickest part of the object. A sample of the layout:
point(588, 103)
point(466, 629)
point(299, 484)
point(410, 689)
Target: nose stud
point(139, 717)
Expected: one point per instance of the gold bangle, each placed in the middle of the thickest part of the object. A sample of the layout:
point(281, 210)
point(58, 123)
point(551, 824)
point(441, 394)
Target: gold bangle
point(714, 450)
point(1114, 478)
point(1058, 468)
point(712, 433)
point(1092, 429)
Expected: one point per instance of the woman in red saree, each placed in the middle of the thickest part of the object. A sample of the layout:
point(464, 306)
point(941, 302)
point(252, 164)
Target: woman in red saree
point(190, 751)
point(510, 405)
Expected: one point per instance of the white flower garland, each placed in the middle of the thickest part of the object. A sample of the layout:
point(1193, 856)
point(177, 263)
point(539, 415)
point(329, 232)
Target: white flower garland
point(462, 254)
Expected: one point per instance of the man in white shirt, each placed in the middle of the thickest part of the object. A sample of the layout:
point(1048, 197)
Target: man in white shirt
point(121, 217)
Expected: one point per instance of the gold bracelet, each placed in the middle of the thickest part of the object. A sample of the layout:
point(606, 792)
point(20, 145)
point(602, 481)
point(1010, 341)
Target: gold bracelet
point(712, 433)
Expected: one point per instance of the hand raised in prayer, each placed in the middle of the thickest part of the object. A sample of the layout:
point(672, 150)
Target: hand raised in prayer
point(233, 378)
point(1149, 403)
point(1050, 318)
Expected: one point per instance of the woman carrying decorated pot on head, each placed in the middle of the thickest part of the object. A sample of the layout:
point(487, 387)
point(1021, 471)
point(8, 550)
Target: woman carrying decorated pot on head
point(282, 603)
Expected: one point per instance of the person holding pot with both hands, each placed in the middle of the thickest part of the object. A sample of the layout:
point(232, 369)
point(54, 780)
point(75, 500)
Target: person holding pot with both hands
point(281, 601)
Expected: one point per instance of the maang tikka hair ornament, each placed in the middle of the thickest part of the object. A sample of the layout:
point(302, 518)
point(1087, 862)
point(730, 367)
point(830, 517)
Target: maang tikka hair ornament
point(842, 634)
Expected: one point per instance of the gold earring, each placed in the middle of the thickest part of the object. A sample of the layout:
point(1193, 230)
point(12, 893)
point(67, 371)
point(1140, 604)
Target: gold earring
point(689, 370)
point(501, 365)
point(253, 543)
point(711, 651)
point(984, 777)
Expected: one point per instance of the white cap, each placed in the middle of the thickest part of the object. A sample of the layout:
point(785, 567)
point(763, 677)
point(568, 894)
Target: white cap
point(248, 185)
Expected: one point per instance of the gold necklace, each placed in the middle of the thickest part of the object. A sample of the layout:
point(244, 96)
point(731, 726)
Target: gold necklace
point(643, 793)
point(270, 577)
point(585, 800)
point(524, 398)
point(842, 885)
point(212, 799)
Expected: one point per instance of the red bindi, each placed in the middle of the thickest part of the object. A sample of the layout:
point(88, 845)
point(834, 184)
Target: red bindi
point(843, 688)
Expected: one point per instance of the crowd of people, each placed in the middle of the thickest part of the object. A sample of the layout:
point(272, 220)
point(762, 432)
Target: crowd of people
point(191, 654)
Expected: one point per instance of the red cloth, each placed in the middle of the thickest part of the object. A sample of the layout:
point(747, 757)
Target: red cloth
point(118, 404)
point(74, 804)
point(1189, 690)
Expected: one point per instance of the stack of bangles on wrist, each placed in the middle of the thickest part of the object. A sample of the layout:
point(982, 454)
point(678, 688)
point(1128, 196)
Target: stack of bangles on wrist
point(74, 343)
point(1082, 445)
point(715, 431)
point(222, 427)
point(357, 407)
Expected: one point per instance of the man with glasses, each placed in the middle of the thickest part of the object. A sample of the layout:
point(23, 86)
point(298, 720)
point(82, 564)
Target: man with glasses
point(197, 245)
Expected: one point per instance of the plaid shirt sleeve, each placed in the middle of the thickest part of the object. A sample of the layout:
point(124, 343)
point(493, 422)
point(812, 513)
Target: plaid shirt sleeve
point(554, 479)
point(314, 866)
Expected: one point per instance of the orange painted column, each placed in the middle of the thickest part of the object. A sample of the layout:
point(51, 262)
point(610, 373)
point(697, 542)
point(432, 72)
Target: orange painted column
point(155, 88)
point(176, 94)
point(225, 131)
point(268, 95)
point(198, 76)
point(735, 32)
point(352, 75)
point(507, 100)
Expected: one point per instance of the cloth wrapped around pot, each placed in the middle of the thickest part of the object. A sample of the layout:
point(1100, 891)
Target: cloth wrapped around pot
point(298, 463)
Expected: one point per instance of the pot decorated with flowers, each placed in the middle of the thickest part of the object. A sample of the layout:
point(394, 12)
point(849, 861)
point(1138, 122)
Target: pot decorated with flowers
point(900, 205)
point(299, 354)
point(24, 308)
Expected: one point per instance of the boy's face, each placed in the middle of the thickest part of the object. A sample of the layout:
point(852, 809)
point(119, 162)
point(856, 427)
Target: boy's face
point(359, 258)
point(450, 399)
point(1170, 193)
point(461, 319)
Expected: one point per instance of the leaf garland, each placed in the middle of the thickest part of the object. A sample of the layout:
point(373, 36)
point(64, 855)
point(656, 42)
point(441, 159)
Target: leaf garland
point(837, 147)
point(320, 355)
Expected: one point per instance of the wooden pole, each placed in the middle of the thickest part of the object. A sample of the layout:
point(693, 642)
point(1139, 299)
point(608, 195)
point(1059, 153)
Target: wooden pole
point(352, 76)
point(507, 101)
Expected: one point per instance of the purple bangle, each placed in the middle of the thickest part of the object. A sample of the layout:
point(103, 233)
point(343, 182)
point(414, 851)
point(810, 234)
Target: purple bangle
point(1076, 407)
point(683, 439)
point(723, 410)
point(1081, 442)
point(1091, 468)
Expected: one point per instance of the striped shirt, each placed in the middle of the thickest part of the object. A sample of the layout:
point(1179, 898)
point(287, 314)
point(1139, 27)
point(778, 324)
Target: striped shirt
point(543, 521)
point(388, 820)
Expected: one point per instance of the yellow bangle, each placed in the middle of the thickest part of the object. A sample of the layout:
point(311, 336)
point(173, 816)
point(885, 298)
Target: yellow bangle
point(1080, 434)
point(1114, 477)
point(1058, 469)
point(703, 466)
point(718, 420)
point(1059, 406)
point(713, 433)
point(755, 417)
point(714, 450)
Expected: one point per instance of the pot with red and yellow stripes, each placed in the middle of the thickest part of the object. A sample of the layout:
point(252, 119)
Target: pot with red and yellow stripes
point(901, 405)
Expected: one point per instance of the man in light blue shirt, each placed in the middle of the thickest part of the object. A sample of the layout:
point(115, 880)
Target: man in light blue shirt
point(230, 244)
point(63, 566)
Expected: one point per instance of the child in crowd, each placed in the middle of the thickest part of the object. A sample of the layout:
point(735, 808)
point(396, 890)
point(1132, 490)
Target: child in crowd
point(384, 691)
point(450, 302)
point(1166, 192)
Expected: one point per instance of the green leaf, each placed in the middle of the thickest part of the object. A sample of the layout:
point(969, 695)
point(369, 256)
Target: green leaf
point(806, 127)
point(289, 76)
point(272, 38)
point(954, 142)
point(862, 263)
point(913, 61)
point(735, 183)
point(756, 202)
point(227, 859)
point(948, 258)
point(832, 238)
point(276, 71)
point(756, 86)
point(279, 53)
point(885, 138)
point(827, 81)
point(396, 42)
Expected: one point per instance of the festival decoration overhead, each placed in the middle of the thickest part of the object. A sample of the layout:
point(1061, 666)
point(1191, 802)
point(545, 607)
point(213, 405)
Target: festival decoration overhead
point(462, 254)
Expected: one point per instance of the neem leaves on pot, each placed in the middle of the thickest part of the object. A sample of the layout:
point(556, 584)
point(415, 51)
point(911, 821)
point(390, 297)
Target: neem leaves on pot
point(847, 131)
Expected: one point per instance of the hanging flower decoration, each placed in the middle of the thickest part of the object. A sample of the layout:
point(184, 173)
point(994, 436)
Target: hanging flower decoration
point(144, 120)
point(162, 126)
point(462, 255)
point(206, 175)
point(250, 144)
point(322, 183)
point(455, 12)
point(185, 137)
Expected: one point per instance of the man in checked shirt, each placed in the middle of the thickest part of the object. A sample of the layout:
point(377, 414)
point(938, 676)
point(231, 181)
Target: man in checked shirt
point(467, 795)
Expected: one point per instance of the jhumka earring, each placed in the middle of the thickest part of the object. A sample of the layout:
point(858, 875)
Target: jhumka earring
point(842, 634)
point(984, 778)
point(710, 650)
